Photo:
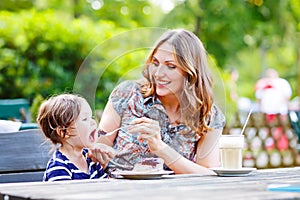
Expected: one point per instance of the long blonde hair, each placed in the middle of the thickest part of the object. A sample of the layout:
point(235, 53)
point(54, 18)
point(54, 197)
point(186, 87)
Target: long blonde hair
point(196, 99)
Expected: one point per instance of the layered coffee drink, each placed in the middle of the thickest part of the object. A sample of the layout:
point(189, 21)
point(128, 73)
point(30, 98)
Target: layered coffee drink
point(231, 149)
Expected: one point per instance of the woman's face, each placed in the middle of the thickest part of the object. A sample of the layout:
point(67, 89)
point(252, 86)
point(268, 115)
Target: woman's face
point(84, 128)
point(168, 77)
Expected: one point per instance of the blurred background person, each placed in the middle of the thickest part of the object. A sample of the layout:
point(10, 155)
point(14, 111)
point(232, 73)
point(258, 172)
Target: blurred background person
point(273, 94)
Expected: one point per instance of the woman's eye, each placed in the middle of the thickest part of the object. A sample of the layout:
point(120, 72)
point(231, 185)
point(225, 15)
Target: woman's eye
point(156, 64)
point(171, 66)
point(84, 119)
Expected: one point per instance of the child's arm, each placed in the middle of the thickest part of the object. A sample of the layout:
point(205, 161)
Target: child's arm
point(101, 153)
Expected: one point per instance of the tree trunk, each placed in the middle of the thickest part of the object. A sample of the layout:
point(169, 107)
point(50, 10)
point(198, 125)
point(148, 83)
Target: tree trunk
point(198, 26)
point(75, 9)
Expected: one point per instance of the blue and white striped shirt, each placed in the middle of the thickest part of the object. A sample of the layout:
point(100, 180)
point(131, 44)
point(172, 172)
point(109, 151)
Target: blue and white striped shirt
point(60, 168)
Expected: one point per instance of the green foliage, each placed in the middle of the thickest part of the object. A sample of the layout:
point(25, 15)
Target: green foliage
point(37, 101)
point(128, 14)
point(15, 5)
point(67, 46)
point(41, 54)
point(247, 35)
point(117, 58)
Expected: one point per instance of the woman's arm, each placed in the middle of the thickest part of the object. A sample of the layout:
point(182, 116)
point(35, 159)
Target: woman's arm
point(102, 152)
point(179, 164)
point(207, 150)
point(110, 121)
point(208, 154)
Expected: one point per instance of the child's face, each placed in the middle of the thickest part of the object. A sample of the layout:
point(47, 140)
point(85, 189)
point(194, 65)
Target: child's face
point(84, 128)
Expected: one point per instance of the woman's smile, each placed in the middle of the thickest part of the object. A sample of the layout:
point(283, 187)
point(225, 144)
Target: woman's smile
point(161, 83)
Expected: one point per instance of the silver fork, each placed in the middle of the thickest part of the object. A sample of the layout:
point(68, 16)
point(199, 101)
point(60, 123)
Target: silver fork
point(101, 132)
point(104, 133)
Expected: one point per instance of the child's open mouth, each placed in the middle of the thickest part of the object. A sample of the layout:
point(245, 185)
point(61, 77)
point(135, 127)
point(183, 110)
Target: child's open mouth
point(92, 135)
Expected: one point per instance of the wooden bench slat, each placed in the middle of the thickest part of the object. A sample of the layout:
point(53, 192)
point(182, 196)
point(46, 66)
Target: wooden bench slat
point(25, 152)
point(21, 177)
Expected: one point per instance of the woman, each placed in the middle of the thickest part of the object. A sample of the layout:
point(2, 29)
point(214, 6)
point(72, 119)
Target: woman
point(169, 114)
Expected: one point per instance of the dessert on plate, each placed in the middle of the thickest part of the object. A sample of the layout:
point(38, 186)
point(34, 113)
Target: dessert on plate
point(149, 165)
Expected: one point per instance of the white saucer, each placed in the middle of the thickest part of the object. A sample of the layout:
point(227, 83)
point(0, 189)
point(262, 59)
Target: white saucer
point(142, 175)
point(233, 172)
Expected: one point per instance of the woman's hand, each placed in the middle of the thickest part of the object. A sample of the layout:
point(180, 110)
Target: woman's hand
point(149, 130)
point(101, 153)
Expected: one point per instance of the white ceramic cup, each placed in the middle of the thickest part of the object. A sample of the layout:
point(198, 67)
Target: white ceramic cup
point(231, 147)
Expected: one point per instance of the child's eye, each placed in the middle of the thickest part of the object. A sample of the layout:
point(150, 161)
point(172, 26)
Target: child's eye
point(84, 119)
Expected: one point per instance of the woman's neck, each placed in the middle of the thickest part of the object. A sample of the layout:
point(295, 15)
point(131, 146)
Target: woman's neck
point(170, 103)
point(172, 107)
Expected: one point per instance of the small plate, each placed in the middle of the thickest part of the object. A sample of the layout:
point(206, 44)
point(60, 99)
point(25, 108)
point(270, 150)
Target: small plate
point(233, 172)
point(142, 175)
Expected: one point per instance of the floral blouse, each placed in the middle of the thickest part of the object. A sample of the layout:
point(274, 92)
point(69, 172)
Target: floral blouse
point(129, 103)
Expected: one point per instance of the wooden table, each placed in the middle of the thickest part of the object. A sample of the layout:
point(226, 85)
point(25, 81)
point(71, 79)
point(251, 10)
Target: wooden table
point(253, 186)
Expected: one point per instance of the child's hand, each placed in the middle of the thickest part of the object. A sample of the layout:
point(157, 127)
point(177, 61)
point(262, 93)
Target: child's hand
point(101, 153)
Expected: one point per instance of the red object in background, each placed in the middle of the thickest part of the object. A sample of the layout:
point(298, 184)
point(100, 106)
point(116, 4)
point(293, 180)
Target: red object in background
point(279, 138)
point(268, 86)
point(271, 117)
point(283, 143)
point(277, 132)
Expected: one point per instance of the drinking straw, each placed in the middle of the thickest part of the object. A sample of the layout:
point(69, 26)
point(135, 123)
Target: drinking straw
point(246, 121)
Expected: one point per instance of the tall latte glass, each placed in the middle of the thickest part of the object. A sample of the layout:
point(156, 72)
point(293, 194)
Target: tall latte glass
point(231, 147)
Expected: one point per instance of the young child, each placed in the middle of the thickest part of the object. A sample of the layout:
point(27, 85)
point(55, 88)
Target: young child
point(67, 120)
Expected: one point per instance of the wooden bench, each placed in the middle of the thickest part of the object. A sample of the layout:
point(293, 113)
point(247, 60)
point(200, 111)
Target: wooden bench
point(24, 156)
